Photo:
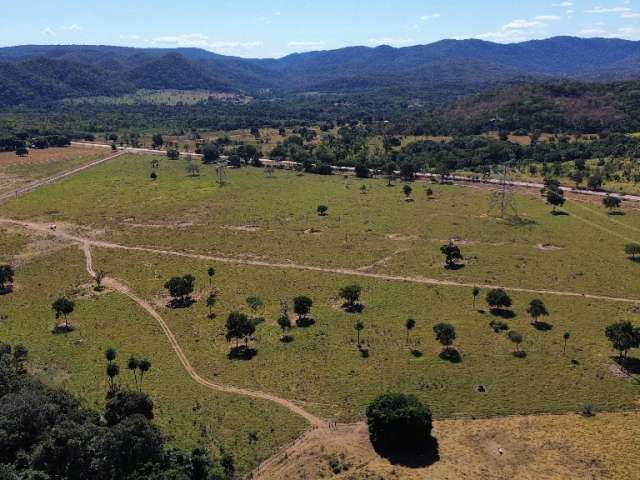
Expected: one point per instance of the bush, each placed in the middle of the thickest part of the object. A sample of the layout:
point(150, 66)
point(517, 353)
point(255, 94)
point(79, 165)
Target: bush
point(451, 355)
point(398, 421)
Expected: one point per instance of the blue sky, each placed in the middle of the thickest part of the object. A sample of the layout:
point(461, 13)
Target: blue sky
point(273, 28)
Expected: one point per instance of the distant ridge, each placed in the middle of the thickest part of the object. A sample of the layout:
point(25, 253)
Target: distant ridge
point(42, 73)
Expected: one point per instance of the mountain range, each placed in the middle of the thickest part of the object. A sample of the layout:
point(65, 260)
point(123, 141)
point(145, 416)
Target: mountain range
point(45, 73)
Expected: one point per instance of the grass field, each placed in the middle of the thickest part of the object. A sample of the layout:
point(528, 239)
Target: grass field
point(17, 171)
point(195, 416)
point(274, 220)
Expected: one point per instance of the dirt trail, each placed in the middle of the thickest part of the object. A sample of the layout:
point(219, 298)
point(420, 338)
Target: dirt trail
point(295, 266)
point(114, 284)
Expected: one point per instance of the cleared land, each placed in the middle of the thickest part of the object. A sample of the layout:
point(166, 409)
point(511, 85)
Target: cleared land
point(273, 221)
point(16, 172)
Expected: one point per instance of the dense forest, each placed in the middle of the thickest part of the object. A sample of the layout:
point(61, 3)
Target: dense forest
point(46, 434)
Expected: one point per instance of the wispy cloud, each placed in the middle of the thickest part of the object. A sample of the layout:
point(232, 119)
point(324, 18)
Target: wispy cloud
point(432, 16)
point(630, 15)
point(602, 10)
point(522, 25)
point(548, 18)
point(71, 28)
point(48, 32)
point(563, 4)
point(203, 41)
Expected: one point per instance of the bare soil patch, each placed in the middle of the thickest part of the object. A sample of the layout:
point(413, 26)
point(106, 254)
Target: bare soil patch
point(548, 247)
point(398, 237)
point(243, 228)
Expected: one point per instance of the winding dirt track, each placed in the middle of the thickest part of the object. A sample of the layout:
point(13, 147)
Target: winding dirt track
point(123, 289)
point(43, 228)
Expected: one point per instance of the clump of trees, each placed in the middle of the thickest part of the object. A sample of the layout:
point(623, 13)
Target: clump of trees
point(632, 250)
point(240, 328)
point(48, 434)
point(180, 289)
point(400, 423)
point(611, 204)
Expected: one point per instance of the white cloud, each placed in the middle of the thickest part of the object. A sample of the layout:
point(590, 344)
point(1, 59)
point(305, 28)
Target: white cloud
point(48, 32)
point(202, 41)
point(305, 45)
point(505, 36)
point(523, 25)
point(389, 41)
point(73, 28)
point(433, 16)
point(630, 15)
point(548, 18)
point(563, 4)
point(601, 10)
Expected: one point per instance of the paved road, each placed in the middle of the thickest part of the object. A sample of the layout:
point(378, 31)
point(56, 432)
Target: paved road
point(55, 178)
point(456, 178)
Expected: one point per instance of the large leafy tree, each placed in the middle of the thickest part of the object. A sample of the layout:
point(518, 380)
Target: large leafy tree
point(452, 254)
point(63, 307)
point(623, 337)
point(180, 288)
point(398, 421)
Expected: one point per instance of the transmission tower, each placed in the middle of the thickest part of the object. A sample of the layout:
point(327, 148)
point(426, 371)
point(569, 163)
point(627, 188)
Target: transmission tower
point(503, 202)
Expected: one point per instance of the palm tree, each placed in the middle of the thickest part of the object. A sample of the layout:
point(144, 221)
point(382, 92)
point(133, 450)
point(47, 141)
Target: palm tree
point(132, 365)
point(475, 292)
point(359, 326)
point(110, 354)
point(565, 337)
point(143, 365)
point(112, 372)
point(409, 325)
point(211, 302)
point(211, 272)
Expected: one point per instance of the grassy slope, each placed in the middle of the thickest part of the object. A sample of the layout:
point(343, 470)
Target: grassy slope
point(119, 198)
point(192, 414)
point(322, 366)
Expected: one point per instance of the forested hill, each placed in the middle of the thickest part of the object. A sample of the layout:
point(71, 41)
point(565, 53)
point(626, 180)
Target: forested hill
point(555, 106)
point(35, 74)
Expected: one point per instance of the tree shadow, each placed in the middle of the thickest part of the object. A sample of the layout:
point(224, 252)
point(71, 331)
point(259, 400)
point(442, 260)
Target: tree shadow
point(62, 329)
point(418, 457)
point(559, 213)
point(6, 290)
point(364, 351)
point(617, 213)
point(516, 221)
point(498, 326)
point(176, 303)
point(451, 355)
point(286, 338)
point(305, 322)
point(520, 354)
point(352, 307)
point(630, 365)
point(455, 266)
point(634, 259)
point(416, 353)
point(502, 313)
point(542, 326)
point(242, 352)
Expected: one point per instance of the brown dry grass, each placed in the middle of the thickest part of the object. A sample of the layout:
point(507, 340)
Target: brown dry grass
point(47, 155)
point(540, 448)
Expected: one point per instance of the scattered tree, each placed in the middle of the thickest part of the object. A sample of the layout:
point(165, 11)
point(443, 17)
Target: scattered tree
point(144, 366)
point(555, 197)
point(565, 337)
point(255, 304)
point(212, 298)
point(132, 364)
point(284, 322)
point(322, 210)
point(452, 253)
point(302, 306)
point(498, 299)
point(516, 338)
point(210, 153)
point(611, 203)
point(351, 295)
point(407, 191)
point(239, 327)
point(475, 292)
point(211, 273)
point(112, 372)
point(409, 325)
point(633, 250)
point(537, 309)
point(99, 277)
point(63, 307)
point(359, 326)
point(623, 337)
point(6, 279)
